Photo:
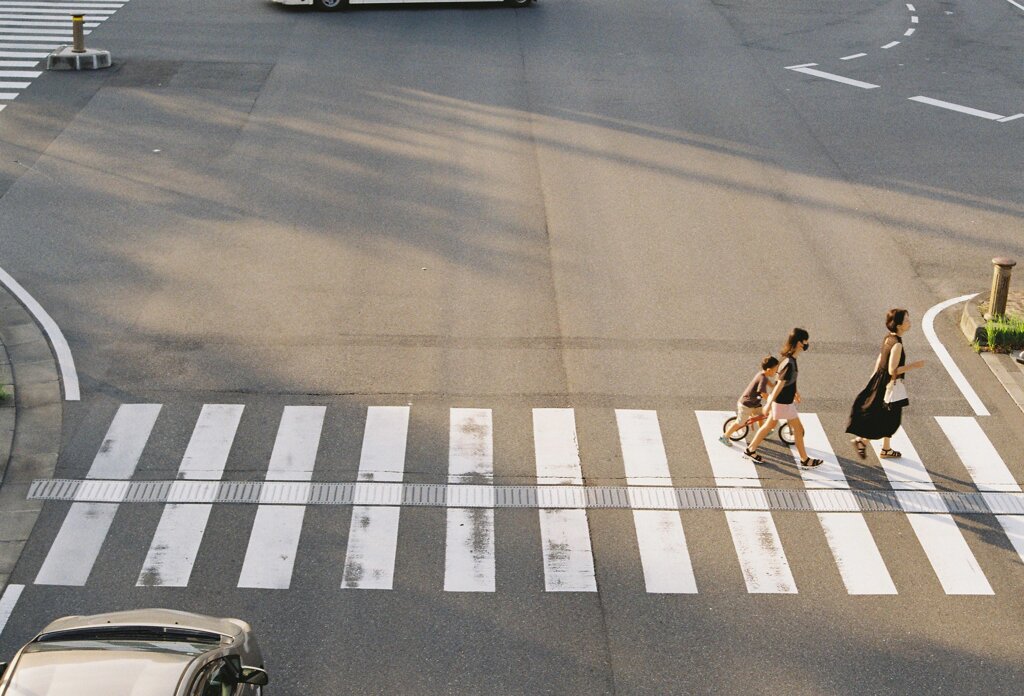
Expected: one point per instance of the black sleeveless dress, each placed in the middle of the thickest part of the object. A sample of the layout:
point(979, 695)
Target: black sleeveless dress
point(871, 418)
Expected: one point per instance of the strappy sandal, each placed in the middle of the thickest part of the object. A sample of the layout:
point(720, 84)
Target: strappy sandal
point(890, 454)
point(810, 463)
point(753, 455)
point(862, 449)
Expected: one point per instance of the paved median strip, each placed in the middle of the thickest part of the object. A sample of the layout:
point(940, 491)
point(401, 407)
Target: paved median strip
point(524, 496)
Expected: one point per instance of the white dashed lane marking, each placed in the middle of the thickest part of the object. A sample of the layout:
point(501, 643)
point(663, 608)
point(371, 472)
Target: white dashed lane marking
point(855, 55)
point(808, 70)
point(970, 111)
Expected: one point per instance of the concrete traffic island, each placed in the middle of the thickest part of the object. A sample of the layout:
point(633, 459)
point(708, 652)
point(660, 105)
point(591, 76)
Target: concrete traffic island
point(77, 56)
point(1007, 365)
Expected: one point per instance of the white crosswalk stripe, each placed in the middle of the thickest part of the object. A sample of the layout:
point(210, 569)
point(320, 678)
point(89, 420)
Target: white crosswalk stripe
point(943, 542)
point(987, 469)
point(659, 533)
point(469, 545)
point(857, 556)
point(373, 534)
point(74, 551)
point(662, 547)
point(762, 560)
point(182, 525)
point(49, 15)
point(565, 534)
point(6, 22)
point(270, 556)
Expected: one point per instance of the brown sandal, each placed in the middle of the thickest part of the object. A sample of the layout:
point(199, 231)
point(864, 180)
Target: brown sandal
point(890, 454)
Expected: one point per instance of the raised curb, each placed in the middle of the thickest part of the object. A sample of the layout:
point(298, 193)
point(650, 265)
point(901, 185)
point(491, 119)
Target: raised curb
point(1006, 370)
point(30, 425)
point(972, 322)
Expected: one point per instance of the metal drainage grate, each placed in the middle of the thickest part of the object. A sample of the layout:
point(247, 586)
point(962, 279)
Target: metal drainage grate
point(544, 496)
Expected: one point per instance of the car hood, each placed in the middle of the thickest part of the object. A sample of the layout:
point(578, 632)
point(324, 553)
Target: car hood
point(169, 618)
point(96, 672)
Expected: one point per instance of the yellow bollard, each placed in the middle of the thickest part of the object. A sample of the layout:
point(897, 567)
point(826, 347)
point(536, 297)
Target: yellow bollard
point(78, 33)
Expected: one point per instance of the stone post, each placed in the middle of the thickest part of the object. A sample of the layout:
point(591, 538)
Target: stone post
point(1002, 267)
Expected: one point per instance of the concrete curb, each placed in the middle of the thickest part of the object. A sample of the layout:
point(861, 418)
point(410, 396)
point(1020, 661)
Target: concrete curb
point(972, 322)
point(30, 425)
point(1009, 373)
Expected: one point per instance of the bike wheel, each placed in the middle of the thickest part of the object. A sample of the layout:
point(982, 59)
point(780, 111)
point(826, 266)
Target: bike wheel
point(786, 434)
point(740, 432)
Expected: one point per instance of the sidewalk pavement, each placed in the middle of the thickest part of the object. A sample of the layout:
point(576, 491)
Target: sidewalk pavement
point(30, 425)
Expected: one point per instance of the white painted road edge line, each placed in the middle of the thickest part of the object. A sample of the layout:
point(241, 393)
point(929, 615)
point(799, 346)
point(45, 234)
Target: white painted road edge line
point(802, 65)
point(830, 76)
point(957, 107)
point(7, 603)
point(1016, 4)
point(1010, 118)
point(60, 345)
point(891, 44)
point(855, 55)
point(928, 326)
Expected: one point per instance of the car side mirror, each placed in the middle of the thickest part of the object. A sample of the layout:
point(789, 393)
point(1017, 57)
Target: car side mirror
point(255, 676)
point(234, 673)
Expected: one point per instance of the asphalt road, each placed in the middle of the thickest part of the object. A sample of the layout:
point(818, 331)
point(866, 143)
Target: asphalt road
point(591, 205)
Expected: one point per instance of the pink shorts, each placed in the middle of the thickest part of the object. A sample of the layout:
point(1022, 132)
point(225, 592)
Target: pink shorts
point(784, 412)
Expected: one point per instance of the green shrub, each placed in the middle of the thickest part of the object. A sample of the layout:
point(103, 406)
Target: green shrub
point(1006, 333)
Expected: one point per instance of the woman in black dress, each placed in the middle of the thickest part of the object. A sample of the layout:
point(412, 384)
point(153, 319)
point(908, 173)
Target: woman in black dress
point(871, 418)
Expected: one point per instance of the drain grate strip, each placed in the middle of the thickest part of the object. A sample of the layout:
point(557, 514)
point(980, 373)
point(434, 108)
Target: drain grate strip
point(543, 496)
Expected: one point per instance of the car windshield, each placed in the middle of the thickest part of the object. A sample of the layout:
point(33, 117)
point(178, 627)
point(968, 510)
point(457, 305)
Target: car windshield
point(101, 668)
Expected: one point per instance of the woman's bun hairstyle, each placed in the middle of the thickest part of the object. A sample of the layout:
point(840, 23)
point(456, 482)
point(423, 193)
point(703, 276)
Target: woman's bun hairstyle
point(895, 318)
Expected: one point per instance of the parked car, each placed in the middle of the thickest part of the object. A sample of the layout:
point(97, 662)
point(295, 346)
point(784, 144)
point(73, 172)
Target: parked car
point(146, 652)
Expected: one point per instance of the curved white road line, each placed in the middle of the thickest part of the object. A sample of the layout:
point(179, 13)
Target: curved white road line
point(928, 324)
point(60, 345)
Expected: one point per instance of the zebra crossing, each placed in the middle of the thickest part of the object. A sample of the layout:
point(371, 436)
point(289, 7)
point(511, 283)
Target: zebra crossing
point(31, 29)
point(662, 546)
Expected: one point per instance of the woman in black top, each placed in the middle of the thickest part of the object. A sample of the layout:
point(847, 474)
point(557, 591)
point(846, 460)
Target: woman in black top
point(871, 418)
point(781, 404)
